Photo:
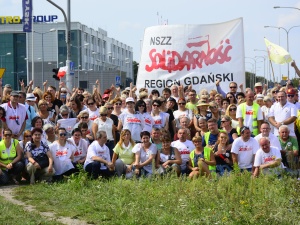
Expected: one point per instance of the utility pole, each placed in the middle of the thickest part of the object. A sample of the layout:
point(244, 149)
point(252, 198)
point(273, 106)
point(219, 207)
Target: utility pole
point(69, 78)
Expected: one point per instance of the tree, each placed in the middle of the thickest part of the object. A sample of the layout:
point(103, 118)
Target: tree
point(135, 71)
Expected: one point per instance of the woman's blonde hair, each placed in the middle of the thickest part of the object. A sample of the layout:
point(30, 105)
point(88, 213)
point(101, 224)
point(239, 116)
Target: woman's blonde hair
point(122, 135)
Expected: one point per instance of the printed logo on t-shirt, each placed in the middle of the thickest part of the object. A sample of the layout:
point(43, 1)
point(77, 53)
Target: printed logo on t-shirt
point(60, 153)
point(13, 117)
point(93, 117)
point(78, 152)
point(147, 121)
point(184, 152)
point(246, 148)
point(250, 112)
point(269, 159)
point(158, 122)
point(133, 120)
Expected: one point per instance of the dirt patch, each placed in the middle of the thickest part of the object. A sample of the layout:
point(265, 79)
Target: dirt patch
point(7, 193)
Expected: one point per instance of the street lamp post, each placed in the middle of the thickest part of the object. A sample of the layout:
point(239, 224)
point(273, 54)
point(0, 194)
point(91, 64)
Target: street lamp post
point(9, 53)
point(42, 33)
point(251, 79)
point(78, 59)
point(287, 38)
point(17, 76)
point(264, 66)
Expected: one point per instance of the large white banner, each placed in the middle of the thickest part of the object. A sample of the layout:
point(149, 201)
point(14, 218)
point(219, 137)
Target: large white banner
point(196, 55)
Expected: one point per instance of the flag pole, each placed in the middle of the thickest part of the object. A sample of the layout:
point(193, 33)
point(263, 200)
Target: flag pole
point(272, 69)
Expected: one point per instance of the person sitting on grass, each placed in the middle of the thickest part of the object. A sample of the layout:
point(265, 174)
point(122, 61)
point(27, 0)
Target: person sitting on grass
point(123, 157)
point(81, 146)
point(267, 159)
point(145, 152)
point(202, 160)
point(98, 160)
point(11, 164)
point(40, 160)
point(222, 153)
point(168, 158)
point(63, 155)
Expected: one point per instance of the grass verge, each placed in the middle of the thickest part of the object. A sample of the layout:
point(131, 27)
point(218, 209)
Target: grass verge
point(235, 199)
point(12, 214)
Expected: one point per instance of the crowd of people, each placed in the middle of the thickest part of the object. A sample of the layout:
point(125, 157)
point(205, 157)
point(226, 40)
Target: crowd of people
point(46, 133)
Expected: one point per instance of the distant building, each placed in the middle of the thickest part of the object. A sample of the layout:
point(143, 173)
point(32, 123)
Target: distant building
point(93, 53)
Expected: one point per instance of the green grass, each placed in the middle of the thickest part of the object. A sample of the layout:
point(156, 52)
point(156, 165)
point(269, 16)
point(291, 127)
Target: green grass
point(237, 199)
point(12, 214)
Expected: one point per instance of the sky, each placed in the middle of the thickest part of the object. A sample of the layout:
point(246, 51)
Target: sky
point(126, 21)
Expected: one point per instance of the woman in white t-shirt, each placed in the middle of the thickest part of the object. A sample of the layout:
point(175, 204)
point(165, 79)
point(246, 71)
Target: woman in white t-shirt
point(47, 116)
point(145, 152)
point(140, 107)
point(92, 108)
point(81, 146)
point(182, 111)
point(63, 155)
point(106, 124)
point(161, 119)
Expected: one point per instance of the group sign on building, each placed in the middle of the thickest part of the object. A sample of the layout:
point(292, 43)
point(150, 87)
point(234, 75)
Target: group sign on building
point(196, 55)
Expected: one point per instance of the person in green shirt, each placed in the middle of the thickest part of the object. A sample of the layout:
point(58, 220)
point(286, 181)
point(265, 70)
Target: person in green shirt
point(289, 147)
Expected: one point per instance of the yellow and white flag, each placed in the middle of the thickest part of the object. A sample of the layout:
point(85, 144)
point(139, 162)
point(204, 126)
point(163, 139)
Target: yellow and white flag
point(277, 54)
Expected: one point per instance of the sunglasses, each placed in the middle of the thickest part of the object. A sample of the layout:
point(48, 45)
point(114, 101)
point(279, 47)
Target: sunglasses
point(63, 134)
point(91, 103)
point(181, 103)
point(28, 136)
point(141, 106)
point(110, 108)
point(275, 92)
point(118, 103)
point(213, 107)
point(291, 96)
point(233, 87)
point(103, 114)
point(155, 105)
point(232, 109)
point(223, 121)
point(84, 117)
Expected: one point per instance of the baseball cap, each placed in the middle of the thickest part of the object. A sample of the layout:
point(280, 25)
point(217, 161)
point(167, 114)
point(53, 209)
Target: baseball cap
point(291, 91)
point(129, 99)
point(105, 96)
point(14, 93)
point(260, 96)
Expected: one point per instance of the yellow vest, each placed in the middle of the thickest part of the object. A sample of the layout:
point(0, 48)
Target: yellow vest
point(206, 157)
point(255, 108)
point(4, 157)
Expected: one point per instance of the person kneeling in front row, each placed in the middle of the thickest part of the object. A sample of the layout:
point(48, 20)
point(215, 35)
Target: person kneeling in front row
point(98, 160)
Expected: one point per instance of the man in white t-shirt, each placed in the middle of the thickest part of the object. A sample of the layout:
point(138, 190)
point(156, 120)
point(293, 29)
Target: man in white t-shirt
point(15, 115)
point(98, 161)
point(267, 158)
point(184, 147)
point(283, 113)
point(249, 114)
point(244, 149)
point(265, 132)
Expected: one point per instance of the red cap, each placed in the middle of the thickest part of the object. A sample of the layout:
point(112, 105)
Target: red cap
point(291, 91)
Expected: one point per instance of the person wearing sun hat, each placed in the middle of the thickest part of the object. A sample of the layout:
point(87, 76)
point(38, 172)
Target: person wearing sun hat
point(30, 110)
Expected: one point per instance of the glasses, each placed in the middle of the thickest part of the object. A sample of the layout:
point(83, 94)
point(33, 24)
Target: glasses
point(291, 96)
point(118, 103)
point(110, 108)
point(63, 134)
point(91, 103)
point(223, 121)
point(233, 87)
point(28, 136)
point(103, 114)
point(7, 135)
point(275, 92)
point(192, 94)
point(141, 106)
point(181, 103)
point(232, 109)
point(84, 117)
point(155, 105)
point(213, 107)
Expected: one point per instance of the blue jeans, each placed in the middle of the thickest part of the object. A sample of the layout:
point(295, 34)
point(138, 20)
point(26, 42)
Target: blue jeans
point(222, 168)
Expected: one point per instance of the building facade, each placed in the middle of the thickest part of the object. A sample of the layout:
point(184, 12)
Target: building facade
point(94, 55)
